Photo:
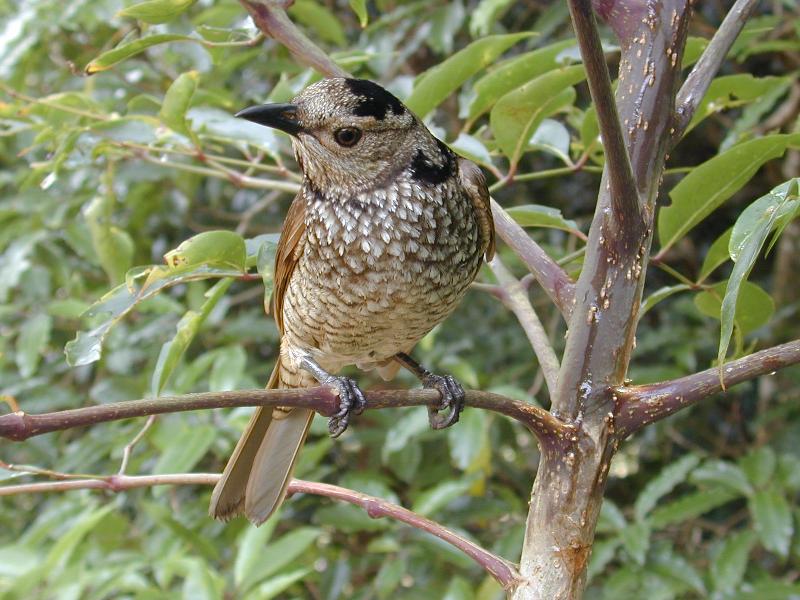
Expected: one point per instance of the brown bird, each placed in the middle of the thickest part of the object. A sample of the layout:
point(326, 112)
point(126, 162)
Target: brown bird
point(387, 232)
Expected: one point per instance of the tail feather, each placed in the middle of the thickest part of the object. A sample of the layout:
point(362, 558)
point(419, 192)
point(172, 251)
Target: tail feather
point(256, 477)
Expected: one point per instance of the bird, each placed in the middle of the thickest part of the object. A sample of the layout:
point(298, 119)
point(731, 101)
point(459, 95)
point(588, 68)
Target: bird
point(380, 244)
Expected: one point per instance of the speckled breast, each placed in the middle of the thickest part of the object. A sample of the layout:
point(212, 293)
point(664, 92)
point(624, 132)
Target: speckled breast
point(380, 270)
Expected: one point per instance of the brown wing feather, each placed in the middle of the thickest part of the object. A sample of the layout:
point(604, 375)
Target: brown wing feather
point(290, 249)
point(474, 183)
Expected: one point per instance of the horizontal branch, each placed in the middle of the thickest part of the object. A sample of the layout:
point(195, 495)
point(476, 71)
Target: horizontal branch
point(19, 426)
point(503, 571)
point(706, 68)
point(641, 405)
point(553, 279)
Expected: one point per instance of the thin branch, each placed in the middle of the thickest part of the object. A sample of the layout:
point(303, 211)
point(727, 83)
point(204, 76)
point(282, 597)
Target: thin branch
point(19, 426)
point(503, 571)
point(270, 17)
point(624, 193)
point(553, 279)
point(704, 71)
point(641, 405)
point(128, 449)
point(514, 296)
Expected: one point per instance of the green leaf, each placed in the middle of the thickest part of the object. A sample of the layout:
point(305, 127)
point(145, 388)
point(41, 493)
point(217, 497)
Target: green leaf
point(512, 73)
point(517, 114)
point(636, 540)
point(320, 20)
point(156, 11)
point(172, 351)
point(722, 473)
point(759, 465)
point(266, 268)
point(716, 255)
point(389, 576)
point(228, 368)
point(753, 308)
point(536, 215)
point(61, 551)
point(690, 507)
point(730, 562)
point(217, 248)
point(273, 587)
point(437, 83)
point(470, 447)
point(666, 481)
point(603, 552)
point(110, 58)
point(710, 184)
point(187, 446)
point(249, 547)
point(177, 101)
point(360, 8)
point(486, 14)
point(278, 554)
point(773, 520)
point(661, 294)
point(34, 335)
point(611, 518)
point(432, 500)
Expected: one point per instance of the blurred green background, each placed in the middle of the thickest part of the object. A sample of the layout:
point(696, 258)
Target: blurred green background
point(102, 173)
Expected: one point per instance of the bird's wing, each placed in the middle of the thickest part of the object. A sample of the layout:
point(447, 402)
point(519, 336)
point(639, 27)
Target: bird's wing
point(290, 249)
point(474, 184)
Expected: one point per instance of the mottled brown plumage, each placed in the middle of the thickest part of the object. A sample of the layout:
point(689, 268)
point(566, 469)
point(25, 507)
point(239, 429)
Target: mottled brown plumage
point(387, 232)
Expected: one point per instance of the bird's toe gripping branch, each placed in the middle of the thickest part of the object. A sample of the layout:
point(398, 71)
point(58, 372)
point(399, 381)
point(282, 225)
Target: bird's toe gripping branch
point(351, 402)
point(453, 398)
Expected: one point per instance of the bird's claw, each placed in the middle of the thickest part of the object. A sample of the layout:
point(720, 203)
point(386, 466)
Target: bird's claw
point(351, 402)
point(452, 398)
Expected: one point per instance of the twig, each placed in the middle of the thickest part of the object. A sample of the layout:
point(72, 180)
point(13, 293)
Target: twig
point(19, 426)
point(270, 17)
point(553, 279)
point(126, 451)
point(514, 296)
point(706, 68)
point(641, 405)
point(624, 193)
point(503, 571)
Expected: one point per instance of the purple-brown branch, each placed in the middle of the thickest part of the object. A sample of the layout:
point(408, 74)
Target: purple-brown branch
point(641, 405)
point(624, 194)
point(19, 426)
point(706, 68)
point(503, 571)
point(553, 279)
point(270, 17)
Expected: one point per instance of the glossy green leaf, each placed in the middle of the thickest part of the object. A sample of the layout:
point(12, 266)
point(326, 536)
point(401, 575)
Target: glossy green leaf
point(33, 338)
point(717, 254)
point(228, 368)
point(278, 554)
point(470, 447)
point(439, 496)
point(319, 19)
point(512, 73)
point(772, 516)
point(360, 8)
point(759, 465)
point(437, 83)
point(517, 114)
point(177, 101)
point(552, 137)
point(660, 295)
point(218, 248)
point(722, 474)
point(485, 15)
point(537, 215)
point(156, 11)
point(709, 185)
point(730, 562)
point(111, 57)
point(753, 308)
point(690, 506)
point(663, 484)
point(186, 447)
point(275, 585)
point(471, 148)
point(112, 246)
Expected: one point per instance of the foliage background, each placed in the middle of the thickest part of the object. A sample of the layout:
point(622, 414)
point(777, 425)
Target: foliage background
point(102, 173)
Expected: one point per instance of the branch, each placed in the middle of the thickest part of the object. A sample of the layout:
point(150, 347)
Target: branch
point(19, 426)
point(553, 279)
point(503, 571)
point(696, 84)
point(624, 194)
point(513, 295)
point(641, 405)
point(270, 17)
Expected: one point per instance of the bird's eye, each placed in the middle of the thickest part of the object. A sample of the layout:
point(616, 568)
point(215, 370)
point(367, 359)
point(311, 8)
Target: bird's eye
point(347, 136)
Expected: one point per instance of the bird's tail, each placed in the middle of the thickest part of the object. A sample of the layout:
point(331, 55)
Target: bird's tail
point(258, 473)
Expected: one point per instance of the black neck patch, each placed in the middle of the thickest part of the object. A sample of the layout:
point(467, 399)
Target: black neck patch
point(374, 101)
point(424, 169)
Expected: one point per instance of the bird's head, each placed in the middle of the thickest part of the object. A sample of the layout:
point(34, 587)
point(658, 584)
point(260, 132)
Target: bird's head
point(349, 135)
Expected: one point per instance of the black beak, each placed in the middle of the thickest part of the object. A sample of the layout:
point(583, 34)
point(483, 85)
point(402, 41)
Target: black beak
point(279, 116)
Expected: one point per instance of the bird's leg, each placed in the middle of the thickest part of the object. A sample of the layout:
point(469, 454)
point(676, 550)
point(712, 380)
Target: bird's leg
point(351, 398)
point(451, 391)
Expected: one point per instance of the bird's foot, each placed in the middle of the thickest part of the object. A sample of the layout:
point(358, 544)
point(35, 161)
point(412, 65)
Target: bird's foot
point(351, 402)
point(452, 400)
